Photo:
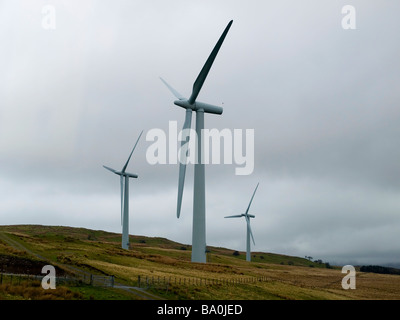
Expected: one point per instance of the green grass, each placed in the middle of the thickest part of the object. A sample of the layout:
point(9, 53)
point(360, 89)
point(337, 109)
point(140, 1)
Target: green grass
point(99, 252)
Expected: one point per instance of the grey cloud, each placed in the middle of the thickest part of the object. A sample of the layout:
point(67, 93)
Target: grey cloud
point(323, 102)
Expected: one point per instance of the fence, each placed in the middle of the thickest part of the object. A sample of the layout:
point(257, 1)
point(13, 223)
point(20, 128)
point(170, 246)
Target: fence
point(146, 281)
point(90, 279)
point(142, 281)
point(101, 281)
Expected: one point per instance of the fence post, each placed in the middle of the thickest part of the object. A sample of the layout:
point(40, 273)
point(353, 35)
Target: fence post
point(112, 281)
point(138, 280)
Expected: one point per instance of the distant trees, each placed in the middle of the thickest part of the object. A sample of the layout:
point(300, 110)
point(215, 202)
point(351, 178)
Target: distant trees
point(319, 261)
point(380, 269)
point(236, 253)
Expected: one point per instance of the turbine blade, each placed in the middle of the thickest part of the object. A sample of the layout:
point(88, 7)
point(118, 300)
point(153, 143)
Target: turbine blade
point(126, 164)
point(122, 180)
point(251, 199)
point(183, 159)
point(174, 92)
point(110, 169)
point(235, 216)
point(198, 84)
point(251, 233)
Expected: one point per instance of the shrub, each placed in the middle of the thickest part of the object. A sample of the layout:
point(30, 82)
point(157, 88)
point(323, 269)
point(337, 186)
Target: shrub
point(380, 269)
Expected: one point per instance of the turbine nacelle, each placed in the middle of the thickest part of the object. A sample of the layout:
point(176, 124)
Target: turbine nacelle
point(207, 108)
point(120, 173)
point(127, 174)
point(241, 215)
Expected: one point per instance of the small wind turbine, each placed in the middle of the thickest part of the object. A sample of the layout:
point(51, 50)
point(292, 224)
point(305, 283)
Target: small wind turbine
point(199, 206)
point(124, 182)
point(247, 216)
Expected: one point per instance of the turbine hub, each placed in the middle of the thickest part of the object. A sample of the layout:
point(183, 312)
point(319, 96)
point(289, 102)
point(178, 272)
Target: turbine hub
point(185, 104)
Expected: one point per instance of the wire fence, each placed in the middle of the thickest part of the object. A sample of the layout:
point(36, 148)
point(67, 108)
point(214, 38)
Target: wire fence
point(147, 281)
point(89, 279)
point(144, 282)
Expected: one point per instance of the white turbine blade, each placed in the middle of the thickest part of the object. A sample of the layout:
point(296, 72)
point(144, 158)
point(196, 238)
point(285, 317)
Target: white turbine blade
point(174, 92)
point(235, 216)
point(251, 233)
point(126, 164)
point(122, 180)
point(183, 160)
point(198, 84)
point(110, 169)
point(251, 199)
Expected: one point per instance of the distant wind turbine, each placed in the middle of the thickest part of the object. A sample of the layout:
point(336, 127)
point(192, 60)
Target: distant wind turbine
point(199, 206)
point(124, 182)
point(247, 216)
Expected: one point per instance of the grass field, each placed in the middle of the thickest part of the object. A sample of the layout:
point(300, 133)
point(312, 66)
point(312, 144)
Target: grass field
point(99, 252)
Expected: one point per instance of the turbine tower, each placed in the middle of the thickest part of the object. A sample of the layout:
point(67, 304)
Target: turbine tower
point(249, 233)
point(124, 182)
point(191, 104)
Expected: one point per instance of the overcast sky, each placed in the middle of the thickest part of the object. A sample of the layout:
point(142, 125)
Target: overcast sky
point(323, 101)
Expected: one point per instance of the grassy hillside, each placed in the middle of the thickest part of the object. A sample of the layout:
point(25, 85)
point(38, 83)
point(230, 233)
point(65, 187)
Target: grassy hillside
point(99, 252)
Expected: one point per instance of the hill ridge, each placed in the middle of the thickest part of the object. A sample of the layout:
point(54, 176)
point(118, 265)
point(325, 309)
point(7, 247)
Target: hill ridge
point(167, 271)
point(161, 242)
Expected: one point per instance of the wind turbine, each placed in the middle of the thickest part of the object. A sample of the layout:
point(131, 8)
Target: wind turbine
point(247, 216)
point(199, 207)
point(124, 182)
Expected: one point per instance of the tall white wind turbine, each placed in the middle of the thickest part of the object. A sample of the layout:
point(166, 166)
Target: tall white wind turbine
point(124, 182)
point(199, 207)
point(249, 233)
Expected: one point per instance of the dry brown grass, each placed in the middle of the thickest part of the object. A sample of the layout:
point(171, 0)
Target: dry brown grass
point(149, 260)
point(34, 291)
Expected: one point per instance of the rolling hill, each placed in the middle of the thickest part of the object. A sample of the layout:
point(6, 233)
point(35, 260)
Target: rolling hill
point(164, 269)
